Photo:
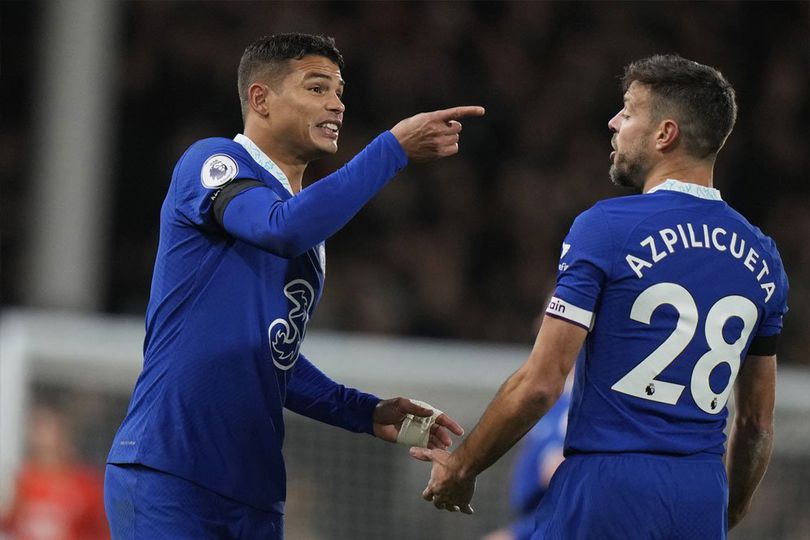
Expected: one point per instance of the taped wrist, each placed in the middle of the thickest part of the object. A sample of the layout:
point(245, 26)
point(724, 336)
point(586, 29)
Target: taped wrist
point(415, 430)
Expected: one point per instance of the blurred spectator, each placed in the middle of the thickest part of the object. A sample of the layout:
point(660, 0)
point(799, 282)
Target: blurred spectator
point(55, 497)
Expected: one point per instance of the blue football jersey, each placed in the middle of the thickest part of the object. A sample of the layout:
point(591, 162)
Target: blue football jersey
point(226, 318)
point(673, 286)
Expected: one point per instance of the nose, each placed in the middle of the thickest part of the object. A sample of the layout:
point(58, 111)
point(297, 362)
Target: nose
point(336, 104)
point(613, 123)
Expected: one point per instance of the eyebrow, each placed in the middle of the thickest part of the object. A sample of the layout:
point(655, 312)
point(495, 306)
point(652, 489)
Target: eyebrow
point(329, 78)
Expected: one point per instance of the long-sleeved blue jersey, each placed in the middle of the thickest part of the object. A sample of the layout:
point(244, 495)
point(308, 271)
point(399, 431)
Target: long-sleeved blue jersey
point(234, 285)
point(676, 289)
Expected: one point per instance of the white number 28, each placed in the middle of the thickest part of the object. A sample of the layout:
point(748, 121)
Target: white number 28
point(641, 380)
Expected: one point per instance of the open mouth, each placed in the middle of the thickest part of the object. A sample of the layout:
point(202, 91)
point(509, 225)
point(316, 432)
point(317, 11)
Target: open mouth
point(330, 129)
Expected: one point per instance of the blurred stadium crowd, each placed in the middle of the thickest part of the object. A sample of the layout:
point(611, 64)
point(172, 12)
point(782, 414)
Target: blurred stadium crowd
point(466, 248)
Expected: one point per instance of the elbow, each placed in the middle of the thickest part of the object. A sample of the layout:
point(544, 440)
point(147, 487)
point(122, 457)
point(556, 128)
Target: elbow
point(283, 238)
point(542, 396)
point(289, 247)
point(546, 398)
point(278, 231)
point(541, 387)
point(283, 243)
point(755, 427)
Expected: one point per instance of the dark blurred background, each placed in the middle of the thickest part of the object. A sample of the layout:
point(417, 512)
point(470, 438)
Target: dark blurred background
point(465, 248)
point(99, 98)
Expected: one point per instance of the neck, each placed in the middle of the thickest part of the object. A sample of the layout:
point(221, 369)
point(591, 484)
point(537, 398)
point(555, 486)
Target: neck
point(689, 171)
point(293, 167)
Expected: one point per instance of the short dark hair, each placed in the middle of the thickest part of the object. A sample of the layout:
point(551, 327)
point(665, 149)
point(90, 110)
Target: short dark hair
point(698, 97)
point(270, 54)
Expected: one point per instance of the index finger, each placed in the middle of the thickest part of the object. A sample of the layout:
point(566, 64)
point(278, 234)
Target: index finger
point(450, 424)
point(454, 113)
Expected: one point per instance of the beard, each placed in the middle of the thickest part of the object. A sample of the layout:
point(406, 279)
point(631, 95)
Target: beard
point(629, 170)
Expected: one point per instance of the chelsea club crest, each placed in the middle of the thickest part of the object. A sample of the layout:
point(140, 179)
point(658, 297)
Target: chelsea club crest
point(285, 335)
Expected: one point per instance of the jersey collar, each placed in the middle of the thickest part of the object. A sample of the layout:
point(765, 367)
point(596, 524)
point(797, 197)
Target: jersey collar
point(264, 160)
point(695, 190)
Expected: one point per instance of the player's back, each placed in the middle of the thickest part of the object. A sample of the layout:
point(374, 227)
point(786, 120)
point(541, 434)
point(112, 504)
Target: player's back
point(675, 285)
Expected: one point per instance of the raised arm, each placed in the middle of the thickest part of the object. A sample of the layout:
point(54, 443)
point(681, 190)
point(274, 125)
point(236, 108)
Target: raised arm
point(433, 135)
point(525, 396)
point(255, 214)
point(751, 439)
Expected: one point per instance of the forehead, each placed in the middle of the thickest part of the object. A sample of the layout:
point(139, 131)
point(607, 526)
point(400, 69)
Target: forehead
point(313, 66)
point(637, 95)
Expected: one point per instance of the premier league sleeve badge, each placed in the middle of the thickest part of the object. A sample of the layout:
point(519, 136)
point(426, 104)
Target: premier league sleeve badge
point(218, 170)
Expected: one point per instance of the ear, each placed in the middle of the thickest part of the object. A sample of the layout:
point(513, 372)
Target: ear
point(666, 138)
point(258, 98)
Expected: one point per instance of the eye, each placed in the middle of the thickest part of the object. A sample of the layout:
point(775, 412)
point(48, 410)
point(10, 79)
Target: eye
point(625, 116)
point(316, 89)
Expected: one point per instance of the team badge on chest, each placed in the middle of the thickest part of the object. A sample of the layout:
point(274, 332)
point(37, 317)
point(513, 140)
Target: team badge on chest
point(218, 170)
point(285, 335)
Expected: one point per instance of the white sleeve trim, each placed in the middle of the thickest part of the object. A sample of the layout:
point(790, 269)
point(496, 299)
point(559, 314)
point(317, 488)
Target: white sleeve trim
point(568, 311)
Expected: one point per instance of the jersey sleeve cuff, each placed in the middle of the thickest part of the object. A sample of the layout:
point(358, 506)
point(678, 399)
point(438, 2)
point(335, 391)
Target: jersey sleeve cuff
point(396, 149)
point(560, 309)
point(368, 402)
point(764, 345)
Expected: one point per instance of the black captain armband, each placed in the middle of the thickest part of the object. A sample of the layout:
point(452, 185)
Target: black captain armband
point(763, 345)
point(223, 196)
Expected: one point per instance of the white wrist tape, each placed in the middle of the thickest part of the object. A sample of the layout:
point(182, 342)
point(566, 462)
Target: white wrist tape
point(415, 430)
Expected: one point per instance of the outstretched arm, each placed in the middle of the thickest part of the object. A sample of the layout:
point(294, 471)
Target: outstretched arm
point(255, 214)
point(751, 439)
point(314, 395)
point(526, 396)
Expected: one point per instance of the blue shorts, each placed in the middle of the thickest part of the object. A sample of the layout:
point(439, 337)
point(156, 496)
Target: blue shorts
point(146, 504)
point(635, 496)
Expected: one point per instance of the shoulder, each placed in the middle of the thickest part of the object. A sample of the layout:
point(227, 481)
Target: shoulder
point(605, 226)
point(628, 208)
point(608, 215)
point(215, 161)
point(615, 206)
point(215, 144)
point(778, 271)
point(624, 215)
point(766, 242)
